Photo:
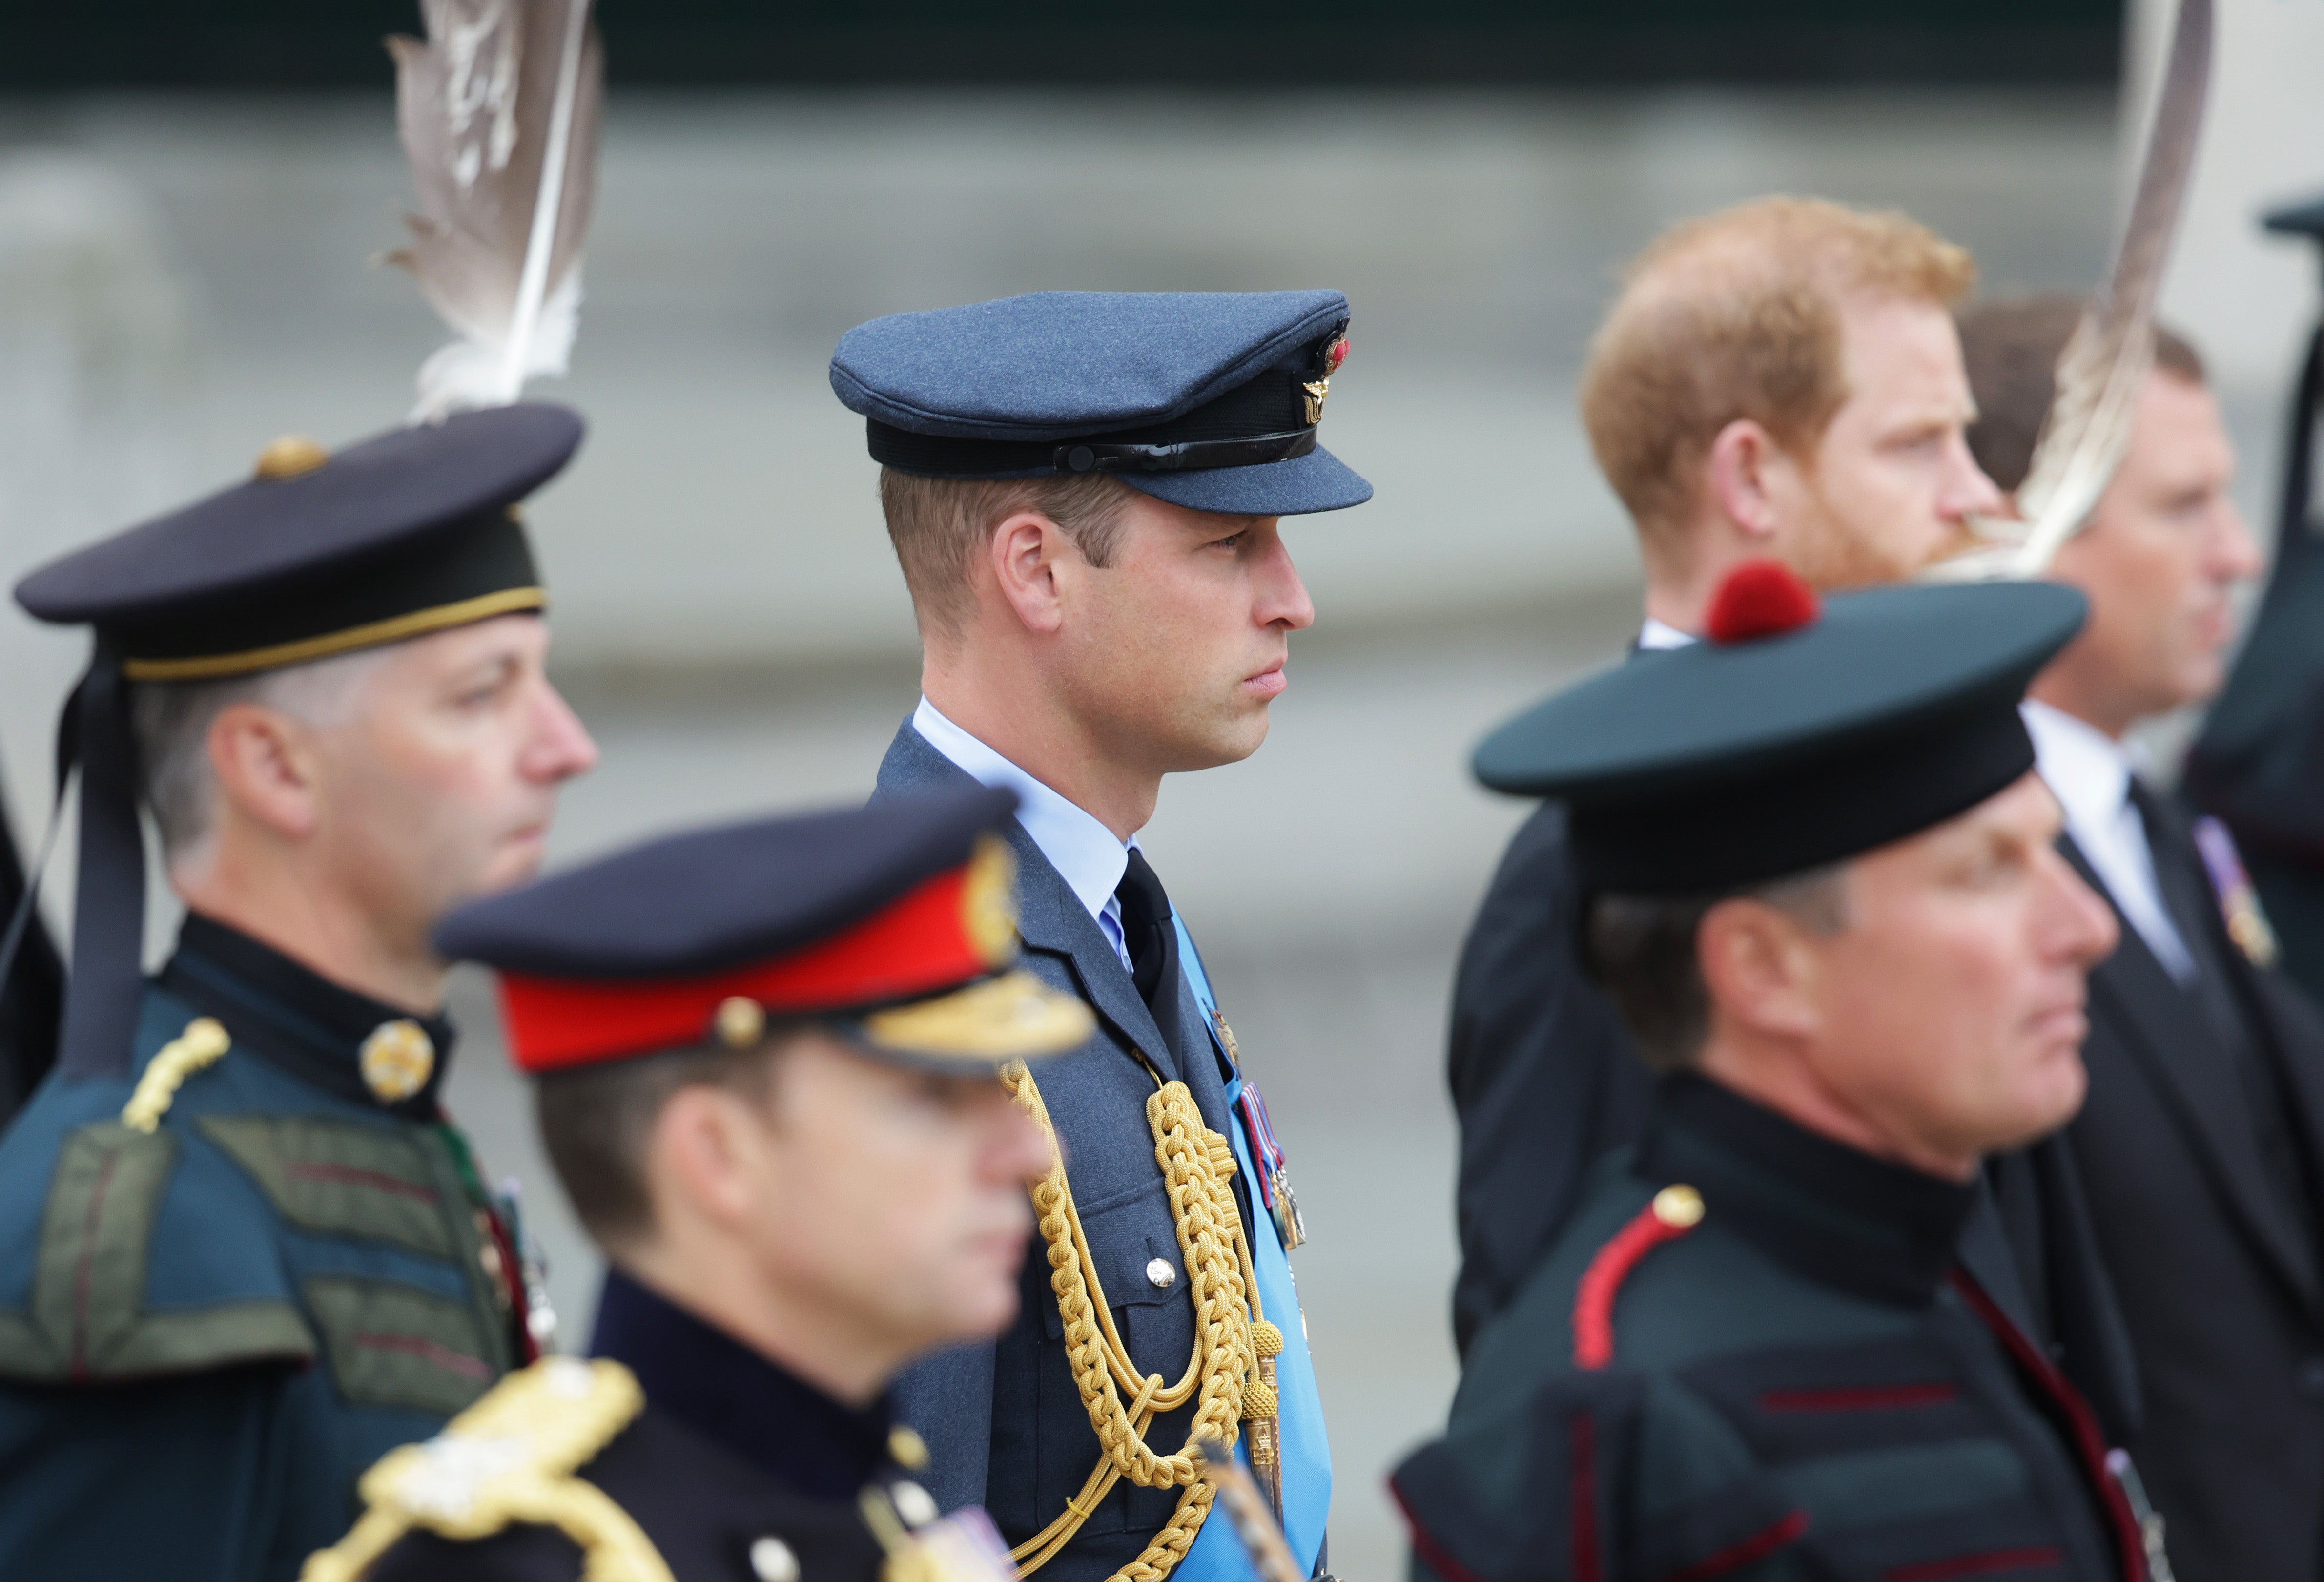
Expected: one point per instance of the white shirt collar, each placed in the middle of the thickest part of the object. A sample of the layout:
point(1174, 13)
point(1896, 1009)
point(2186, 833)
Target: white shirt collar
point(1662, 634)
point(1082, 849)
point(2086, 769)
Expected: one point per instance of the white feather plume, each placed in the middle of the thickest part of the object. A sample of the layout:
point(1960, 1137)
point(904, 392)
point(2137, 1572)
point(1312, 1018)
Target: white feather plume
point(2105, 364)
point(499, 111)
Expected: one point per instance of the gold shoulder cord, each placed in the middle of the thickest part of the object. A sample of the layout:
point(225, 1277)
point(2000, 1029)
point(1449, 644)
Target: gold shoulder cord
point(509, 1458)
point(1230, 1375)
point(202, 1045)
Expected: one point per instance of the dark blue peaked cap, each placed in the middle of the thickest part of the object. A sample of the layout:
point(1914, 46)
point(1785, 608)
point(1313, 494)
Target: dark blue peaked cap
point(1733, 763)
point(317, 553)
point(892, 925)
point(1208, 400)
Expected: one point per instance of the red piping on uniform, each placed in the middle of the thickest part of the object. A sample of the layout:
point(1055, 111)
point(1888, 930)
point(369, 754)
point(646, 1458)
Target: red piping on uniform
point(1757, 1546)
point(1593, 1299)
point(1868, 1398)
point(2081, 1425)
point(308, 1170)
point(84, 1267)
point(1432, 1552)
point(427, 1351)
point(1999, 1560)
point(1585, 1499)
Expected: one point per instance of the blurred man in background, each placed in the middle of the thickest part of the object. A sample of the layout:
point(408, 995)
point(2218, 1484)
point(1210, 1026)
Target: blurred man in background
point(243, 1252)
point(2201, 1139)
point(1779, 380)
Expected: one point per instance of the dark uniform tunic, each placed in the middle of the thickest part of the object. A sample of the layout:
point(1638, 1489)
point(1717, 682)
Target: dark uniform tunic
point(735, 1469)
point(209, 1330)
point(1804, 1384)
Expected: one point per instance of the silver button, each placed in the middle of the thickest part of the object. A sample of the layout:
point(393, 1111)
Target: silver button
point(772, 1560)
point(1160, 1275)
point(914, 1504)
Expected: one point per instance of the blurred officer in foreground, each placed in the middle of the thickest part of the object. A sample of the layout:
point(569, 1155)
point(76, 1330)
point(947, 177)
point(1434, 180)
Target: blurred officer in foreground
point(2205, 1123)
point(242, 1254)
point(1083, 489)
point(32, 989)
point(764, 1059)
point(1822, 883)
point(1781, 379)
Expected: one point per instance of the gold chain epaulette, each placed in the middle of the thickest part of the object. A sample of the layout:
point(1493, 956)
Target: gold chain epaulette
point(1230, 1374)
point(203, 1044)
point(510, 1459)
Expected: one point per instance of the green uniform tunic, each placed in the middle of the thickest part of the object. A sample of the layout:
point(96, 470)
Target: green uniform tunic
point(208, 1331)
point(1804, 1384)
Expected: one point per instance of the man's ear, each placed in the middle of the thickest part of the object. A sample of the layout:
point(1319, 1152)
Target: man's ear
point(265, 765)
point(1024, 556)
point(703, 1152)
point(1760, 969)
point(1740, 471)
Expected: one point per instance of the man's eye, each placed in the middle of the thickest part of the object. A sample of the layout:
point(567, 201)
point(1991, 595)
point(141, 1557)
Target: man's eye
point(1228, 543)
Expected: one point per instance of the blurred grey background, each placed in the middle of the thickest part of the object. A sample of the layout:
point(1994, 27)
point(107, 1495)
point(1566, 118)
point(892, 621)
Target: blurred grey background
point(184, 274)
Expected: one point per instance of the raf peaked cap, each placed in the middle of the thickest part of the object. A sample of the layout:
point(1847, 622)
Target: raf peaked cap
point(1799, 734)
point(892, 925)
point(1208, 400)
point(316, 554)
point(320, 554)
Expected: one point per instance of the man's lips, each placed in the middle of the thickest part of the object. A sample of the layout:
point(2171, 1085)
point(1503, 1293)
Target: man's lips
point(1269, 682)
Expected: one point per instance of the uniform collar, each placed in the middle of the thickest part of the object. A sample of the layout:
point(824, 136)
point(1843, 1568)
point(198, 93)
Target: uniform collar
point(293, 1016)
point(724, 1390)
point(1084, 851)
point(1823, 1209)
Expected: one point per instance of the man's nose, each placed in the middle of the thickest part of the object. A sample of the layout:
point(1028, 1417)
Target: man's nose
point(1967, 491)
point(2235, 553)
point(2082, 927)
point(1283, 598)
point(561, 746)
point(1021, 1152)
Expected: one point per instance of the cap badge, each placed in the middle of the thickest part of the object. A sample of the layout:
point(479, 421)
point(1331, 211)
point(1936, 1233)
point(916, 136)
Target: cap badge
point(397, 1059)
point(741, 1022)
point(988, 900)
point(289, 457)
point(1760, 598)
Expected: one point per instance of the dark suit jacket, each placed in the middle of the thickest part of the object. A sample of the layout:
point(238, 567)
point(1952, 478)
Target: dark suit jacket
point(1545, 1083)
point(1004, 1422)
point(2218, 1274)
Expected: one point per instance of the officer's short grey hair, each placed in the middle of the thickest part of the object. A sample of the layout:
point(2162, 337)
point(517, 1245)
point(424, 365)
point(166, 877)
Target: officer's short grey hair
point(172, 722)
point(1641, 949)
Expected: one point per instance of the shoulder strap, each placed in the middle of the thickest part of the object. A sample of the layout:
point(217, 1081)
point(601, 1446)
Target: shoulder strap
point(511, 1460)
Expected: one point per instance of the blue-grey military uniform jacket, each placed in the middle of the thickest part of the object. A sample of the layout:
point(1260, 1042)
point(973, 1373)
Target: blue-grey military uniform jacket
point(209, 1329)
point(1005, 1424)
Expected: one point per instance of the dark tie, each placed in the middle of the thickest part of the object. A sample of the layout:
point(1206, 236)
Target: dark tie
point(1152, 941)
point(2193, 906)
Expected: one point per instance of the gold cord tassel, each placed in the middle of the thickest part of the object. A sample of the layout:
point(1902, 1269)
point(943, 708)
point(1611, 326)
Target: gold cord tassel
point(1229, 1376)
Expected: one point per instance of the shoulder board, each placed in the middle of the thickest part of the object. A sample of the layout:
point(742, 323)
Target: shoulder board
point(1675, 1211)
point(510, 1459)
point(89, 1317)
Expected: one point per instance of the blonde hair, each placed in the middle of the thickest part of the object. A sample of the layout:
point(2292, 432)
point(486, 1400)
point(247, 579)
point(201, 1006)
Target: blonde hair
point(1737, 315)
point(938, 525)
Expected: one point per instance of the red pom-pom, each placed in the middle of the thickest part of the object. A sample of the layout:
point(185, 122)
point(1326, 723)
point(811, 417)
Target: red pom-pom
point(1760, 598)
point(1336, 354)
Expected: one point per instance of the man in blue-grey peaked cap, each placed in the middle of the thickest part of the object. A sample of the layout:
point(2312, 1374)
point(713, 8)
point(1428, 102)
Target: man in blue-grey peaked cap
point(1085, 492)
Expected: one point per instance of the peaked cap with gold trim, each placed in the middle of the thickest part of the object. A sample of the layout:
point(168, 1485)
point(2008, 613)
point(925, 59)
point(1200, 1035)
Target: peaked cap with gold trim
point(892, 926)
point(315, 554)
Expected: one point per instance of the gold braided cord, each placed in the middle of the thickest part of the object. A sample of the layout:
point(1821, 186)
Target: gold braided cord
point(203, 1044)
point(1230, 1334)
point(510, 1459)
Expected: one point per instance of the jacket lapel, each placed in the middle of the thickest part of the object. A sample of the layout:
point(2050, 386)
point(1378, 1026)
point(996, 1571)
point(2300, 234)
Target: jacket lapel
point(1050, 917)
point(2168, 1035)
